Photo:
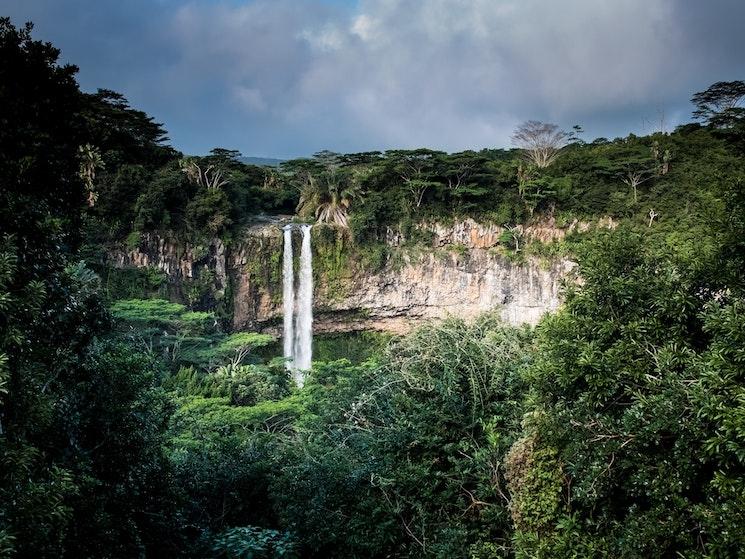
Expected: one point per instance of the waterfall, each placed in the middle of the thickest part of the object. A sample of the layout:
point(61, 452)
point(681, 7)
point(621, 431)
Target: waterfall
point(298, 311)
point(288, 297)
point(304, 322)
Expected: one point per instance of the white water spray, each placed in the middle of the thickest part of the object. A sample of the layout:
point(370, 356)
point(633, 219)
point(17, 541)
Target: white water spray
point(298, 312)
point(304, 323)
point(288, 298)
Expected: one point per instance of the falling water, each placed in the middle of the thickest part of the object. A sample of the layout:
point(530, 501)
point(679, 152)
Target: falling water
point(288, 297)
point(304, 323)
point(298, 311)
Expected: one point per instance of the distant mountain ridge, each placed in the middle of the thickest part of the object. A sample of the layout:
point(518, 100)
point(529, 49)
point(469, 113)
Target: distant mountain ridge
point(261, 161)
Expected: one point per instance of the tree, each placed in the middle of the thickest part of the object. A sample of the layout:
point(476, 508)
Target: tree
point(234, 348)
point(541, 142)
point(511, 235)
point(404, 458)
point(533, 187)
point(334, 206)
point(123, 134)
point(719, 104)
point(329, 195)
point(634, 165)
point(225, 158)
point(80, 421)
point(652, 216)
point(662, 158)
point(633, 177)
point(458, 169)
point(206, 176)
point(415, 168)
point(327, 188)
point(208, 211)
point(634, 372)
point(574, 137)
point(117, 195)
point(90, 162)
point(161, 205)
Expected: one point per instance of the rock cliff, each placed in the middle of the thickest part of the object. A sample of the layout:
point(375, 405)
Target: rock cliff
point(462, 273)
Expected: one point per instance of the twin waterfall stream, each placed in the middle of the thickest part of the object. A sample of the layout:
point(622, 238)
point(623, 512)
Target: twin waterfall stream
point(298, 309)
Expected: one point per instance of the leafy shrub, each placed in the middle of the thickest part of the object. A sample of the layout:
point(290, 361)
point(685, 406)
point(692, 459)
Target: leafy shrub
point(209, 212)
point(250, 542)
point(619, 405)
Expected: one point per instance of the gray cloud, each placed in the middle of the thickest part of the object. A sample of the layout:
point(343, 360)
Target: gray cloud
point(281, 77)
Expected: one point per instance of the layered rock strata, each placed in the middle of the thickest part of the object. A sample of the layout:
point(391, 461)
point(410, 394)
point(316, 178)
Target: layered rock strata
point(463, 273)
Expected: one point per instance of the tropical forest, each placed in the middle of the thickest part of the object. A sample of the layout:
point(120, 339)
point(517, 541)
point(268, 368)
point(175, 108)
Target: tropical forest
point(533, 349)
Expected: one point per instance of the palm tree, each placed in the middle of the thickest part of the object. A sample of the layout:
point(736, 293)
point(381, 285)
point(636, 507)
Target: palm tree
point(329, 196)
point(90, 161)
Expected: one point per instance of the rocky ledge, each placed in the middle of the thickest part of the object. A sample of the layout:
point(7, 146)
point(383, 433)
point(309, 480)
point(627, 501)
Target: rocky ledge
point(461, 274)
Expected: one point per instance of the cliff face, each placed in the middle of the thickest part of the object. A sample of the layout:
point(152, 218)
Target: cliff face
point(436, 284)
point(179, 262)
point(462, 274)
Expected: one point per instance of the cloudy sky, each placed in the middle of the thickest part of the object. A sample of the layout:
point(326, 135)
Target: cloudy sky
point(287, 78)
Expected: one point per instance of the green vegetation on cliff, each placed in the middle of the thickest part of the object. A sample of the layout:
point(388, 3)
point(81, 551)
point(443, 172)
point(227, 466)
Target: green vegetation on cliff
point(661, 181)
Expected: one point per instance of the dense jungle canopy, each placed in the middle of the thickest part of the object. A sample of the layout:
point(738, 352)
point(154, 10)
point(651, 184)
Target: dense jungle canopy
point(135, 426)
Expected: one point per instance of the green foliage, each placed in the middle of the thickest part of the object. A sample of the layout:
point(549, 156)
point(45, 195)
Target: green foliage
point(120, 417)
point(719, 400)
point(719, 103)
point(198, 288)
point(618, 385)
point(223, 457)
point(327, 189)
point(250, 542)
point(248, 385)
point(183, 337)
point(357, 347)
point(161, 204)
point(156, 194)
point(132, 283)
point(239, 341)
point(617, 432)
point(158, 313)
point(117, 197)
point(441, 409)
point(331, 258)
point(212, 417)
point(209, 212)
point(48, 308)
point(535, 482)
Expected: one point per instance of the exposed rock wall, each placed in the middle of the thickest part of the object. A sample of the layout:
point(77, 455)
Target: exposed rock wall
point(437, 284)
point(180, 262)
point(462, 274)
point(472, 234)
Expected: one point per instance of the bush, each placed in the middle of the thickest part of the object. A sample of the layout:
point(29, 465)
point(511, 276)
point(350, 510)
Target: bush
point(209, 212)
point(250, 542)
point(618, 407)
